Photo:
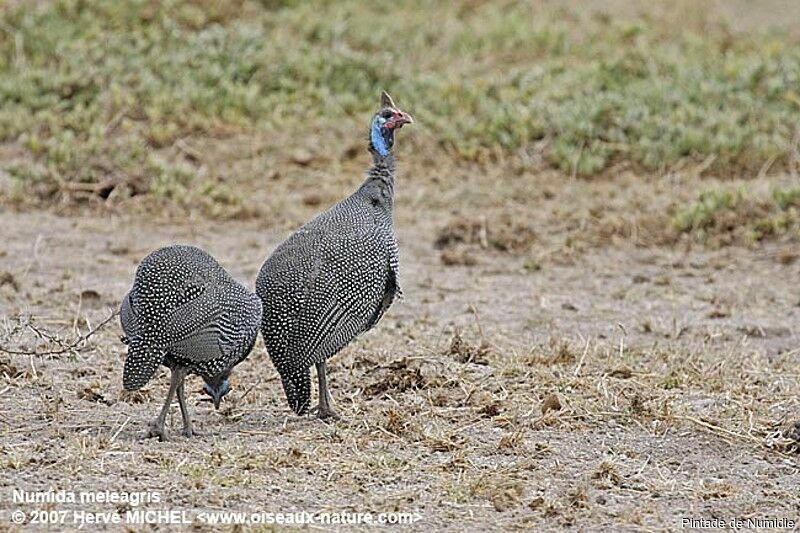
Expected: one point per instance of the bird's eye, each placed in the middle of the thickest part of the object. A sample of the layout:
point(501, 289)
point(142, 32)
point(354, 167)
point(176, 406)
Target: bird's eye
point(387, 114)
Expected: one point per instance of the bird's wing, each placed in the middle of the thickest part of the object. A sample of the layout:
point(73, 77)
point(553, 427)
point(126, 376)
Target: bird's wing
point(201, 345)
point(394, 267)
point(391, 289)
point(241, 321)
point(283, 287)
point(343, 293)
point(127, 318)
point(195, 329)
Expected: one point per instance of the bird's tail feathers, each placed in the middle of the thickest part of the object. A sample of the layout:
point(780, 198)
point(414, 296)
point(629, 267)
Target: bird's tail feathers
point(141, 364)
point(297, 386)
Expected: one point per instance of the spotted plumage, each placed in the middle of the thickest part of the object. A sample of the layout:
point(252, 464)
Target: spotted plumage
point(336, 276)
point(185, 312)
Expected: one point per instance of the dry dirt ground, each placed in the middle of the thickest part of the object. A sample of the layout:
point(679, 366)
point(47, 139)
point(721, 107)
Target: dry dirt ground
point(561, 361)
point(590, 384)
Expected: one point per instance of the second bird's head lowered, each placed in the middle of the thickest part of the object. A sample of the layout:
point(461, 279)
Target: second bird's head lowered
point(217, 387)
point(386, 121)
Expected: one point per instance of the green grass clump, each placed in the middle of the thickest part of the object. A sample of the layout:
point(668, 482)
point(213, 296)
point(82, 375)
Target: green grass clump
point(727, 216)
point(93, 90)
point(786, 198)
point(705, 211)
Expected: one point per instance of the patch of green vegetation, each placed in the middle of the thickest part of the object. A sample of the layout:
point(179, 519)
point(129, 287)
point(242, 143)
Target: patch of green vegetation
point(95, 90)
point(786, 198)
point(735, 215)
point(704, 212)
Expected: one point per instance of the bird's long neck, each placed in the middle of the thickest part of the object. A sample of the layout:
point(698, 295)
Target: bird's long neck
point(381, 173)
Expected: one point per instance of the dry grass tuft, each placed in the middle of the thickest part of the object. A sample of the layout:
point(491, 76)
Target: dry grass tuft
point(607, 476)
point(559, 352)
point(551, 403)
point(458, 257)
point(398, 376)
point(502, 233)
point(464, 352)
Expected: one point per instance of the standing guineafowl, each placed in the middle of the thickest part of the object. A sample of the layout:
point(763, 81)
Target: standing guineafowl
point(334, 277)
point(185, 312)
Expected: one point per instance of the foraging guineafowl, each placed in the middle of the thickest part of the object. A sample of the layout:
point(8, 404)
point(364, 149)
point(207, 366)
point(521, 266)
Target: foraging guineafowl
point(185, 312)
point(334, 278)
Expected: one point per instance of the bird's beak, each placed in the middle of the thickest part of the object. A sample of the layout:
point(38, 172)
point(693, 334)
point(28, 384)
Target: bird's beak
point(405, 118)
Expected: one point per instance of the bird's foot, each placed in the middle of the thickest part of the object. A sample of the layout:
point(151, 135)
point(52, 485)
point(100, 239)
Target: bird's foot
point(157, 429)
point(324, 412)
point(794, 433)
point(189, 432)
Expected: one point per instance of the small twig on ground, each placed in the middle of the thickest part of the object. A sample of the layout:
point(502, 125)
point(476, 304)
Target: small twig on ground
point(46, 336)
point(762, 173)
point(582, 359)
point(718, 430)
point(250, 388)
point(121, 427)
point(189, 151)
point(77, 343)
point(705, 165)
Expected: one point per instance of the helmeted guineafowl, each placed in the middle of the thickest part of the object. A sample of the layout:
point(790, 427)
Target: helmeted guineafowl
point(184, 311)
point(336, 276)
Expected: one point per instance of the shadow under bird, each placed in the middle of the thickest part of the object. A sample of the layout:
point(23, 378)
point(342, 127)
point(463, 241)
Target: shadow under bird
point(185, 312)
point(336, 276)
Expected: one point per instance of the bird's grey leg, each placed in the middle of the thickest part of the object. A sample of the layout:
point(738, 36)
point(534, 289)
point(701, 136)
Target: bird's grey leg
point(188, 430)
point(157, 426)
point(324, 409)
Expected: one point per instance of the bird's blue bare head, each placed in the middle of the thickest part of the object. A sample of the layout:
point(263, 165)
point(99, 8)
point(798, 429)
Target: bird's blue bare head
point(217, 387)
point(386, 121)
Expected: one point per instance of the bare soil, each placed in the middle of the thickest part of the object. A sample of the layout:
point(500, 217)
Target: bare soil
point(556, 374)
point(563, 359)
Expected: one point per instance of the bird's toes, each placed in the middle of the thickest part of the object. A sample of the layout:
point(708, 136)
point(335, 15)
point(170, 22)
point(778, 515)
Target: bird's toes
point(190, 432)
point(330, 414)
point(161, 434)
point(157, 430)
point(324, 412)
point(795, 432)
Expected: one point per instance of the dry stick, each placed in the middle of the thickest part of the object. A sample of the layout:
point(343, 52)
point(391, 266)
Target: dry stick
point(45, 335)
point(188, 150)
point(762, 173)
point(705, 165)
point(121, 427)
point(114, 122)
point(719, 430)
point(583, 357)
point(64, 347)
point(244, 395)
